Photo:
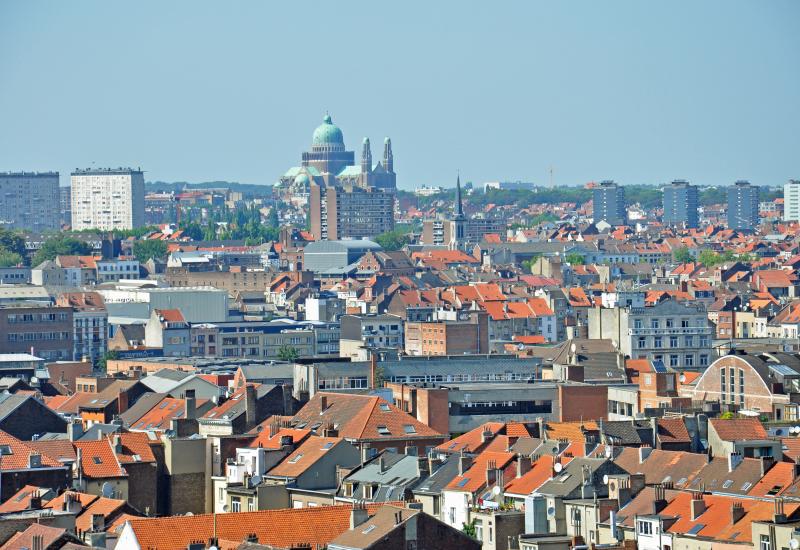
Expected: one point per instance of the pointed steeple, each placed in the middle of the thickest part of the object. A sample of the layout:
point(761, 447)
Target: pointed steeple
point(459, 209)
point(388, 159)
point(366, 157)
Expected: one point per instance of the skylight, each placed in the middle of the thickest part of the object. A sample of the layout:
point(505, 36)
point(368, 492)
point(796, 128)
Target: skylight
point(327, 446)
point(409, 429)
point(369, 529)
point(97, 460)
point(383, 430)
point(6, 450)
point(696, 529)
point(385, 407)
point(295, 459)
point(463, 482)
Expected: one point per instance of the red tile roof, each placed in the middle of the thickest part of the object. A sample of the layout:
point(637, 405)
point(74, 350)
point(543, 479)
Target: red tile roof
point(19, 452)
point(281, 528)
point(98, 459)
point(738, 429)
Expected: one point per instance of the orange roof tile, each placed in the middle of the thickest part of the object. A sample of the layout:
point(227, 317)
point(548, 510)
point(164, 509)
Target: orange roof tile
point(281, 528)
point(98, 459)
point(738, 429)
point(19, 453)
point(305, 456)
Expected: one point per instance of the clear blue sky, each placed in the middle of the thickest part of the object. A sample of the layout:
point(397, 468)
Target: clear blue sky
point(640, 92)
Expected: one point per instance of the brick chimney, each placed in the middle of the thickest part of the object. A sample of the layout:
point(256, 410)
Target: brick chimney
point(697, 506)
point(491, 472)
point(523, 465)
point(251, 415)
point(358, 515)
point(464, 464)
point(737, 512)
point(190, 405)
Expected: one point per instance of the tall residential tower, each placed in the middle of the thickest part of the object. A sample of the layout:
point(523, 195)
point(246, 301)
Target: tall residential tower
point(743, 206)
point(107, 199)
point(608, 203)
point(680, 204)
point(29, 200)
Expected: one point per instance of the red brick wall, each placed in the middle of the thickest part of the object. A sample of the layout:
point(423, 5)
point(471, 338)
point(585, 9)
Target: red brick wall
point(582, 403)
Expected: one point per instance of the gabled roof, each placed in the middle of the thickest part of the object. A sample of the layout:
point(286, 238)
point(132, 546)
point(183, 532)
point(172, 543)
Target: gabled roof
point(98, 459)
point(361, 417)
point(49, 536)
point(16, 453)
point(305, 456)
point(21, 500)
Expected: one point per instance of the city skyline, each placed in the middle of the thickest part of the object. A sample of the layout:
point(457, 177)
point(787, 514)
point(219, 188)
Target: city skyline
point(638, 94)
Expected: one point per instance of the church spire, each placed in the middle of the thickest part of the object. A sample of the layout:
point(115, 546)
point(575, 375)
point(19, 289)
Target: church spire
point(388, 159)
point(366, 157)
point(458, 207)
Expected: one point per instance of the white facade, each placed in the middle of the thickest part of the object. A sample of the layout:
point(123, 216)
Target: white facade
point(107, 199)
point(117, 269)
point(791, 201)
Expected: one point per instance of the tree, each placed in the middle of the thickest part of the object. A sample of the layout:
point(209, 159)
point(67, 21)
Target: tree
point(288, 353)
point(575, 259)
point(708, 258)
point(149, 249)
point(61, 246)
point(682, 255)
point(392, 240)
point(193, 230)
point(9, 259)
point(469, 529)
point(12, 241)
point(102, 363)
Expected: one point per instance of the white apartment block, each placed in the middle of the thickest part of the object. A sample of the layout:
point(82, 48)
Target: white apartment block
point(791, 201)
point(107, 199)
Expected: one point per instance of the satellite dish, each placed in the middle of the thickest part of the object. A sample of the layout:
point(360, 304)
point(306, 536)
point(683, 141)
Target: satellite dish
point(107, 489)
point(573, 348)
point(605, 479)
point(213, 548)
point(551, 511)
point(34, 379)
point(189, 514)
point(794, 544)
point(225, 508)
point(558, 467)
point(496, 490)
point(255, 480)
point(683, 378)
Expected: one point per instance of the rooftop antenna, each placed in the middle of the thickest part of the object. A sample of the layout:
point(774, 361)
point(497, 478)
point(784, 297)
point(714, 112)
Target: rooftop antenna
point(551, 177)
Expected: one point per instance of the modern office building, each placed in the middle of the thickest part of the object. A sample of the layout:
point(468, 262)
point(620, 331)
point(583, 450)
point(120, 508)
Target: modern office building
point(107, 199)
point(346, 200)
point(791, 201)
point(681, 200)
point(608, 203)
point(29, 200)
point(743, 206)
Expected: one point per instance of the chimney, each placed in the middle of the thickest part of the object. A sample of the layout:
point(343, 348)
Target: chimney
point(34, 460)
point(75, 429)
point(737, 512)
point(431, 462)
point(98, 522)
point(464, 463)
point(491, 472)
point(36, 501)
point(358, 515)
point(659, 499)
point(697, 506)
point(523, 465)
point(117, 441)
point(779, 516)
point(382, 463)
point(734, 459)
point(250, 406)
point(190, 405)
point(644, 452)
point(323, 403)
point(766, 463)
point(373, 368)
point(486, 434)
point(365, 455)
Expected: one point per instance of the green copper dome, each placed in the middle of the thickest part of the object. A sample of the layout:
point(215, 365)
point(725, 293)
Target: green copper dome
point(328, 133)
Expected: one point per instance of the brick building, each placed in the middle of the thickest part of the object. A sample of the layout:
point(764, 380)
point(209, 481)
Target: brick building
point(46, 330)
point(756, 384)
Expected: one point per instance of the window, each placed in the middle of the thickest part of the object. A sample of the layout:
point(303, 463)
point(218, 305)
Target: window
point(637, 323)
point(673, 341)
point(670, 323)
point(765, 543)
point(722, 380)
point(657, 342)
point(644, 527)
point(236, 504)
point(642, 342)
point(703, 360)
point(673, 360)
point(689, 360)
point(383, 430)
point(654, 323)
point(5, 450)
point(251, 504)
point(689, 341)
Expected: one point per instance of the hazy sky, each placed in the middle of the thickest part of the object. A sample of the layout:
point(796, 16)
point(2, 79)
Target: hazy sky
point(639, 92)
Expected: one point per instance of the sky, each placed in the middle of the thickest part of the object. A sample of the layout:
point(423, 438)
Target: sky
point(189, 90)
